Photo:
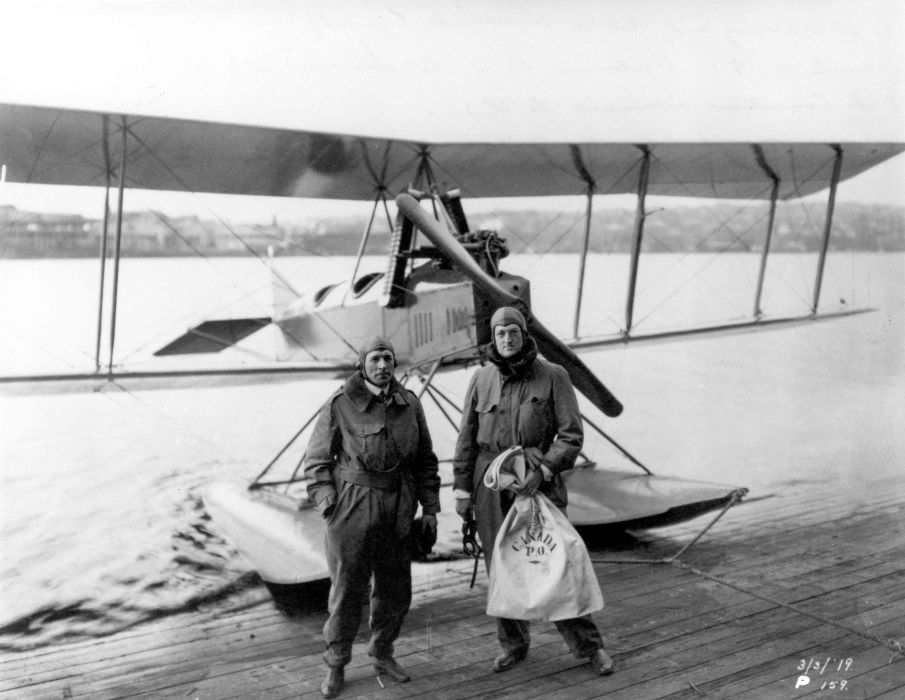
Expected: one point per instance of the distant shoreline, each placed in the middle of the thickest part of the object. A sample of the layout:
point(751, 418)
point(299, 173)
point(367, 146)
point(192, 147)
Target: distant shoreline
point(245, 254)
point(720, 228)
point(87, 255)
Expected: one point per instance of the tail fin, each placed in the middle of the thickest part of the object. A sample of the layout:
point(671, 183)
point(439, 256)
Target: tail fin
point(213, 336)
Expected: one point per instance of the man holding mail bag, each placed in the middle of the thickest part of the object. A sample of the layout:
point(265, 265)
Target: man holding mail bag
point(520, 399)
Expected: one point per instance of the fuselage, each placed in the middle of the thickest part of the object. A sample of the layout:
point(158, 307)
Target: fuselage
point(441, 315)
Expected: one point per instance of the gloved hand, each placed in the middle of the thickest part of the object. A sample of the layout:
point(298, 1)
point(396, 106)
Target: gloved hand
point(429, 524)
point(533, 457)
point(328, 511)
point(533, 481)
point(464, 508)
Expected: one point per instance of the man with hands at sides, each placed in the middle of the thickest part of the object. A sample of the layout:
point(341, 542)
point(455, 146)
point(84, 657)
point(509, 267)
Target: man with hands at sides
point(369, 463)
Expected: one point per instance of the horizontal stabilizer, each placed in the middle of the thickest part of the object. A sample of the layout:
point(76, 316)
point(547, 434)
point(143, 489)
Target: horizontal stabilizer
point(213, 336)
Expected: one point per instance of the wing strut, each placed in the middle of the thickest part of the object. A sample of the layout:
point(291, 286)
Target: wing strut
point(636, 238)
point(589, 181)
point(108, 172)
point(828, 225)
point(584, 257)
point(362, 244)
point(394, 292)
point(425, 182)
point(774, 194)
point(119, 237)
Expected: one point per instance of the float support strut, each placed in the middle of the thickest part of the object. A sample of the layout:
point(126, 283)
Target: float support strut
point(108, 171)
point(636, 238)
point(584, 258)
point(827, 226)
point(774, 195)
point(119, 237)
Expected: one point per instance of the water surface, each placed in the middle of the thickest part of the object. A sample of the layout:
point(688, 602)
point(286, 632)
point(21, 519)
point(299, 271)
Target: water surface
point(102, 522)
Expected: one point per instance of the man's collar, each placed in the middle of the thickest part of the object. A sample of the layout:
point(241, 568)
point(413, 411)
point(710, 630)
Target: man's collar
point(376, 390)
point(522, 365)
point(361, 392)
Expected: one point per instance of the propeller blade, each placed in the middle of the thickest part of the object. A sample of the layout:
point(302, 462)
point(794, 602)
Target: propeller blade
point(549, 344)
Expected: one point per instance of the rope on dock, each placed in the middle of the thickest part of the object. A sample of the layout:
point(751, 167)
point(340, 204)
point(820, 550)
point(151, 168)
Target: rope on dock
point(893, 645)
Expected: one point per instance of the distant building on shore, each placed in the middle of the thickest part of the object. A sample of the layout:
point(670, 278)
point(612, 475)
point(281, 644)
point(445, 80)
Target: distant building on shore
point(45, 235)
point(722, 228)
point(35, 235)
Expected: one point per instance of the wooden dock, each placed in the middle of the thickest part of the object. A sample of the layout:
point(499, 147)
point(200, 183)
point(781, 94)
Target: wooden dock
point(812, 577)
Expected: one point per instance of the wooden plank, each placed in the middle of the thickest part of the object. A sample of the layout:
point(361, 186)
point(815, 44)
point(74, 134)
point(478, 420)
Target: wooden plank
point(478, 611)
point(794, 538)
point(798, 561)
point(532, 657)
point(777, 678)
point(871, 659)
point(666, 627)
point(228, 629)
point(259, 610)
point(768, 517)
point(751, 647)
point(660, 650)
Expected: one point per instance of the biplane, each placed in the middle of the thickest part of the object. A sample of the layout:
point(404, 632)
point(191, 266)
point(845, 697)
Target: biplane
point(442, 280)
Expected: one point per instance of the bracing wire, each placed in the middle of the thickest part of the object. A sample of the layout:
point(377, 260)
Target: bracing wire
point(42, 346)
point(165, 422)
point(720, 224)
point(798, 287)
point(698, 272)
point(165, 333)
point(186, 188)
point(240, 239)
point(464, 189)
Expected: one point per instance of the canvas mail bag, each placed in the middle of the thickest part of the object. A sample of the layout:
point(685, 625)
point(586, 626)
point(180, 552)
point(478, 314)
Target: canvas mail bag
point(540, 569)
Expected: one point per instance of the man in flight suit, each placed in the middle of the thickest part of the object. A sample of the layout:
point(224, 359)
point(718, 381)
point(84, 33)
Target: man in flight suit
point(369, 463)
point(520, 399)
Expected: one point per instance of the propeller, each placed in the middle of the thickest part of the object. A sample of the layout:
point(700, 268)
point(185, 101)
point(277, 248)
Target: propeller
point(549, 344)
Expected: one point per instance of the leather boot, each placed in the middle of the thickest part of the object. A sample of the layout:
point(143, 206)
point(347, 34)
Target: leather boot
point(601, 663)
point(333, 682)
point(389, 667)
point(509, 659)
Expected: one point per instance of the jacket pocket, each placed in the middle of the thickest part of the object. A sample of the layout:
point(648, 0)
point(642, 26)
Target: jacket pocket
point(487, 419)
point(370, 445)
point(341, 494)
point(534, 420)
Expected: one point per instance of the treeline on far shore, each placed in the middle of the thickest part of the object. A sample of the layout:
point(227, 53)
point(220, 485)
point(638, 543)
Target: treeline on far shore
point(798, 227)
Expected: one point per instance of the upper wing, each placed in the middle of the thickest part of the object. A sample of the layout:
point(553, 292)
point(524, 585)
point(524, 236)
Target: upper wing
point(71, 147)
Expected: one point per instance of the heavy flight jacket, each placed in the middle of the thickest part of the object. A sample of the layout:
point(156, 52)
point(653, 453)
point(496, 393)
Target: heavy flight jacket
point(537, 409)
point(362, 440)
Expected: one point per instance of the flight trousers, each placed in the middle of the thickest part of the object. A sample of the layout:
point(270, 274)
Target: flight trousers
point(364, 548)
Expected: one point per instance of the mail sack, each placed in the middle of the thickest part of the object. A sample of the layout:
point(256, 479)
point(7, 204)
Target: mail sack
point(540, 568)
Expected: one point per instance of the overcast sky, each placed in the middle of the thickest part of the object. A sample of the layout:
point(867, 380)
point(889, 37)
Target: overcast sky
point(749, 70)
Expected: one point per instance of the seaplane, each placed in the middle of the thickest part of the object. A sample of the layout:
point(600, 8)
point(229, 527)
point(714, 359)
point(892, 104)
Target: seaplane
point(442, 280)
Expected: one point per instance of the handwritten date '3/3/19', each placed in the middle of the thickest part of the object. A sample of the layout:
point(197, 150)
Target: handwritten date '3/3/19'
point(829, 667)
